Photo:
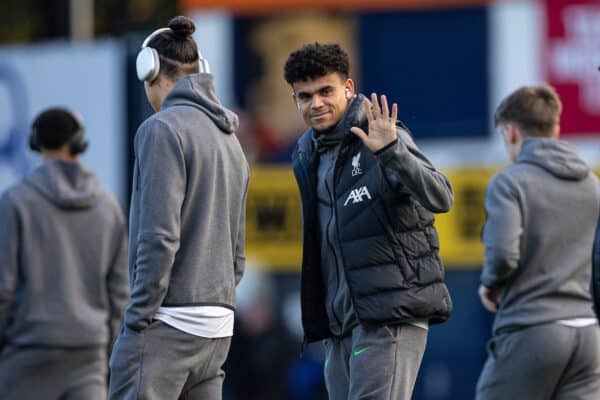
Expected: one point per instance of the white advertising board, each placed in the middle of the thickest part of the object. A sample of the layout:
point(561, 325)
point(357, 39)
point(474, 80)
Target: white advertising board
point(87, 77)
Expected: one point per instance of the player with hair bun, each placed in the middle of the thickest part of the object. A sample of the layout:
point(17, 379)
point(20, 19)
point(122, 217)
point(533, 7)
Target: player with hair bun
point(187, 216)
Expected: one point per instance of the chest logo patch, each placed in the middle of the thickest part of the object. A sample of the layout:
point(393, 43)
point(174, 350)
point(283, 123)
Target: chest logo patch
point(357, 195)
point(356, 169)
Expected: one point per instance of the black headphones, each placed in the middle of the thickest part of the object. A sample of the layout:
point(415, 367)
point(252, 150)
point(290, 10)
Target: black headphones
point(78, 143)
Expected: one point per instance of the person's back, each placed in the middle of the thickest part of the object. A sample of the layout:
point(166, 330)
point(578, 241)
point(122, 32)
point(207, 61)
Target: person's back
point(558, 196)
point(541, 215)
point(214, 176)
point(187, 229)
point(71, 232)
point(63, 277)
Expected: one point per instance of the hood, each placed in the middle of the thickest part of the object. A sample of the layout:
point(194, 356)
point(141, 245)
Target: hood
point(66, 184)
point(555, 156)
point(198, 91)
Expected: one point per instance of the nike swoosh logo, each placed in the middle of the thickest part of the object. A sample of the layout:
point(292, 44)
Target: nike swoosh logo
point(360, 351)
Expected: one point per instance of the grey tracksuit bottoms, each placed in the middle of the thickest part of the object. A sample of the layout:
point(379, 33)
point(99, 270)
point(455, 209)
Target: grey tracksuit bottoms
point(543, 362)
point(32, 373)
point(377, 364)
point(163, 363)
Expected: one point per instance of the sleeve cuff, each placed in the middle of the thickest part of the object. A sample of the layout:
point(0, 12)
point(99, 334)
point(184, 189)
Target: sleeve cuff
point(387, 146)
point(489, 282)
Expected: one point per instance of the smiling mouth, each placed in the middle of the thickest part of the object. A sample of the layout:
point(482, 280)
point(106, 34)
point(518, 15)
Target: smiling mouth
point(316, 116)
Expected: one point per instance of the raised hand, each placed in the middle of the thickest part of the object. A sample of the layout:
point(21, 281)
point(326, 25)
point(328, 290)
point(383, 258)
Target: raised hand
point(382, 126)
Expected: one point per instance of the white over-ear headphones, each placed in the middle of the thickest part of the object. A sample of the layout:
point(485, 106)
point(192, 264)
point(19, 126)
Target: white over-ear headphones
point(147, 63)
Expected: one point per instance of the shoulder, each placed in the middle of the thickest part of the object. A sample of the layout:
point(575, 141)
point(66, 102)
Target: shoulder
point(306, 139)
point(112, 203)
point(502, 178)
point(505, 182)
point(404, 133)
point(516, 173)
point(15, 194)
point(15, 197)
point(304, 145)
point(7, 199)
point(154, 125)
point(109, 209)
point(105, 198)
point(156, 128)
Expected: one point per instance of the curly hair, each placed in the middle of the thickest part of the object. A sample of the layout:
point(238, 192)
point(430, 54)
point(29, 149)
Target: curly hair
point(316, 60)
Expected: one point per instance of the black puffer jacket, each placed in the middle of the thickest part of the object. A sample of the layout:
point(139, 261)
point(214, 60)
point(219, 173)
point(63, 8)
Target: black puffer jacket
point(385, 227)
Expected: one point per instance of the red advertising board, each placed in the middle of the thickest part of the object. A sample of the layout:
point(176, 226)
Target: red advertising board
point(571, 59)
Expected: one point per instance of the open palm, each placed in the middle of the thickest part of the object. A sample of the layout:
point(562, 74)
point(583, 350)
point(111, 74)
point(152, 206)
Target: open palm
point(382, 126)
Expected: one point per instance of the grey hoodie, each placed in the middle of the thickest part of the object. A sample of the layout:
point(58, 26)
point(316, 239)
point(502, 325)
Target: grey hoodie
point(187, 217)
point(63, 273)
point(541, 217)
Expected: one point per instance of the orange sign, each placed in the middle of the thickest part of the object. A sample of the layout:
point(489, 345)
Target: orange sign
point(274, 6)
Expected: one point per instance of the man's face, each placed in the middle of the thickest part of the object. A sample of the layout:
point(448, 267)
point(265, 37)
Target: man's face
point(323, 101)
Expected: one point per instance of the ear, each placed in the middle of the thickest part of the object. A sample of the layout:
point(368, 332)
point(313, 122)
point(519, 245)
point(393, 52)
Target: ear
point(556, 132)
point(153, 82)
point(296, 101)
point(349, 88)
point(513, 135)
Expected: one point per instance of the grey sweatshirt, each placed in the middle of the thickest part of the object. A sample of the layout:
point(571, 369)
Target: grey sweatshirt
point(541, 217)
point(187, 216)
point(340, 312)
point(63, 254)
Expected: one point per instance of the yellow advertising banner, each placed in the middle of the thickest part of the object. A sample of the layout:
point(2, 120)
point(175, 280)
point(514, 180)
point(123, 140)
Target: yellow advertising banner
point(274, 228)
point(273, 222)
point(460, 229)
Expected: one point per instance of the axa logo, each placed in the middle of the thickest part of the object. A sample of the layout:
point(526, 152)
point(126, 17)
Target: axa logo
point(357, 195)
point(356, 170)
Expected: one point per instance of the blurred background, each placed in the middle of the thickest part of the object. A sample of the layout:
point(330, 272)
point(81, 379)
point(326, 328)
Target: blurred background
point(447, 63)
